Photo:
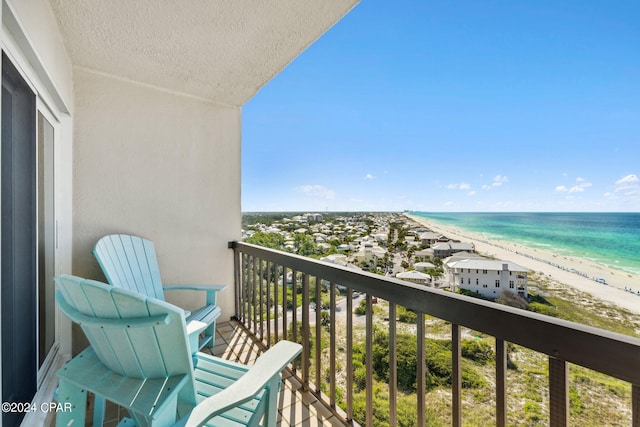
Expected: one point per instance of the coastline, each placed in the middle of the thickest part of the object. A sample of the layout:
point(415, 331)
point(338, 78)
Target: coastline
point(570, 271)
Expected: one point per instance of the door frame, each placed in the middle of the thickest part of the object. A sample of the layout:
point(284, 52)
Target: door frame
point(16, 44)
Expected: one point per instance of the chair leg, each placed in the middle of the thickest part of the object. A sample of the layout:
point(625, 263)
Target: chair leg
point(211, 332)
point(98, 410)
point(271, 408)
point(77, 397)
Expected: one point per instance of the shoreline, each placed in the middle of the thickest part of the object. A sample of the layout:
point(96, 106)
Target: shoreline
point(578, 273)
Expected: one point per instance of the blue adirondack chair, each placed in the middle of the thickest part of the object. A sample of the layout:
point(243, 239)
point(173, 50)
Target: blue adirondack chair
point(130, 262)
point(139, 358)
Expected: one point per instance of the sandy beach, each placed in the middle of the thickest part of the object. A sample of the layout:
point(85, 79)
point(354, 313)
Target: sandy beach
point(570, 271)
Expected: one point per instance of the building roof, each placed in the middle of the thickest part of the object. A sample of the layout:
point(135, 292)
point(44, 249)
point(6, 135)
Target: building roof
point(486, 264)
point(424, 265)
point(413, 274)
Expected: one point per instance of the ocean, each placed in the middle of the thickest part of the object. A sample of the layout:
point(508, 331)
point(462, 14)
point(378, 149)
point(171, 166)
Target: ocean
point(611, 239)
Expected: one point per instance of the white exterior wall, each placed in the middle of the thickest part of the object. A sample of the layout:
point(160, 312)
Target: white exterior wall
point(162, 166)
point(466, 279)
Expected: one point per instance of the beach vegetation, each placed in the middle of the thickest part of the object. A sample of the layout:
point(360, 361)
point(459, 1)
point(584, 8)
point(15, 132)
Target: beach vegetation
point(512, 300)
point(405, 315)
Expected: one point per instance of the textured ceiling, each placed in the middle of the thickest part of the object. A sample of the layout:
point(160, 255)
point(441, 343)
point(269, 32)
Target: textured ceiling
point(220, 50)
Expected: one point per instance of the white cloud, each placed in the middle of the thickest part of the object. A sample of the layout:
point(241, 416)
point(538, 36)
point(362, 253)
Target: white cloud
point(316, 191)
point(627, 183)
point(460, 186)
point(582, 185)
point(498, 180)
point(578, 188)
point(471, 193)
point(369, 176)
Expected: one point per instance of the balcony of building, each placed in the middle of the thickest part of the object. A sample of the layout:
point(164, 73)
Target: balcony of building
point(327, 372)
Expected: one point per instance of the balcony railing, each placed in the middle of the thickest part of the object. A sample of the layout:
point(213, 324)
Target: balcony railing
point(261, 285)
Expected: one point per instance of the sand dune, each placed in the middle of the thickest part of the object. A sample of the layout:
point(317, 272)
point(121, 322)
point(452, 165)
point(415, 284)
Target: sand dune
point(570, 271)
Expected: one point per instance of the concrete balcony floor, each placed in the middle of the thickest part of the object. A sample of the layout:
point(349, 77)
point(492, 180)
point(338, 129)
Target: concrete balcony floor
point(296, 407)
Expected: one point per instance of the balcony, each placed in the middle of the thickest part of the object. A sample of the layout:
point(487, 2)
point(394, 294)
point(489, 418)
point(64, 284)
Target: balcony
point(326, 369)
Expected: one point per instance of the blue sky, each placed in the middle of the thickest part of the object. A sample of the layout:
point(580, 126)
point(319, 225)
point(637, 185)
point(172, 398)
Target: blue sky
point(454, 106)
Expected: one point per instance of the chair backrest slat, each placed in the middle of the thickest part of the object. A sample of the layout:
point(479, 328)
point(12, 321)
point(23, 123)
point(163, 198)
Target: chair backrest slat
point(130, 262)
point(153, 351)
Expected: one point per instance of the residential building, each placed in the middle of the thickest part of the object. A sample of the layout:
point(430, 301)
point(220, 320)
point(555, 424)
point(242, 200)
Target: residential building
point(414, 276)
point(339, 259)
point(488, 277)
point(446, 249)
point(423, 266)
point(369, 253)
point(428, 237)
point(423, 255)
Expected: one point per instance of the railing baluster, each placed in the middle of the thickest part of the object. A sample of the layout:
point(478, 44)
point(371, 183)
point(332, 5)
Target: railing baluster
point(501, 383)
point(261, 298)
point(294, 305)
point(635, 405)
point(285, 335)
point(276, 299)
point(305, 329)
point(245, 290)
point(393, 368)
point(558, 392)
point(318, 333)
point(421, 370)
point(269, 303)
point(236, 279)
point(369, 360)
point(456, 376)
point(332, 344)
point(254, 309)
point(349, 390)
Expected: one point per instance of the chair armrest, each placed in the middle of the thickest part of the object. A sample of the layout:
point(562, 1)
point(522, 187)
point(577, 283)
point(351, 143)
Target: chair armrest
point(268, 365)
point(194, 328)
point(211, 290)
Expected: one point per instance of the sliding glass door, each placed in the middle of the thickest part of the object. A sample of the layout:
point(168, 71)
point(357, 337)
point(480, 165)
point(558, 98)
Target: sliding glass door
point(27, 240)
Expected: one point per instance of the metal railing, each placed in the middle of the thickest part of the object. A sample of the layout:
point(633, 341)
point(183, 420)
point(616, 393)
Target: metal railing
point(261, 284)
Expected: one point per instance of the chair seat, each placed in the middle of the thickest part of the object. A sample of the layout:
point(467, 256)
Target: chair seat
point(145, 396)
point(148, 396)
point(213, 375)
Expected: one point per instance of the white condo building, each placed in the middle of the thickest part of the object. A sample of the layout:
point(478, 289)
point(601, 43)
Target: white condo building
point(488, 277)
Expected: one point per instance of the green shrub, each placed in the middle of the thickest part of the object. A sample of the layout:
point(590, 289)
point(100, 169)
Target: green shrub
point(476, 350)
point(405, 315)
point(362, 308)
point(543, 309)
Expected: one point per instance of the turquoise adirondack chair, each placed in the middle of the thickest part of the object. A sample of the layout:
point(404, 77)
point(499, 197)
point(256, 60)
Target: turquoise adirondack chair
point(130, 262)
point(139, 358)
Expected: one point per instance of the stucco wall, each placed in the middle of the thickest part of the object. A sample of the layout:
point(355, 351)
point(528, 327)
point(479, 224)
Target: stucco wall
point(162, 166)
point(33, 23)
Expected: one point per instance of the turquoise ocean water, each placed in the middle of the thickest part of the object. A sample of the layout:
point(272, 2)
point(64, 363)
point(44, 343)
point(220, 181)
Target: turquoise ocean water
point(612, 239)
